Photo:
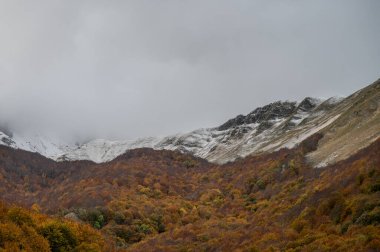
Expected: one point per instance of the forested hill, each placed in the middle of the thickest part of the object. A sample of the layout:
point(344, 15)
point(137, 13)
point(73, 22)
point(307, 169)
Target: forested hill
point(149, 200)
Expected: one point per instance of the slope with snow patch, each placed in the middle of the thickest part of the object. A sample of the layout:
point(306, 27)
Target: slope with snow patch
point(265, 129)
point(268, 128)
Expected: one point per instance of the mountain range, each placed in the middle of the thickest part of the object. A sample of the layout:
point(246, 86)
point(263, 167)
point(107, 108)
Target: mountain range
point(266, 129)
point(289, 176)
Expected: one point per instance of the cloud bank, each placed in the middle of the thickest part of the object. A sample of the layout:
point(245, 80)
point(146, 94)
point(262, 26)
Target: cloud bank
point(126, 69)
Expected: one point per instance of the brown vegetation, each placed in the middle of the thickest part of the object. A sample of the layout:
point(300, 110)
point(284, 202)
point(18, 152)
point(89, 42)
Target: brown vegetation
point(23, 230)
point(148, 200)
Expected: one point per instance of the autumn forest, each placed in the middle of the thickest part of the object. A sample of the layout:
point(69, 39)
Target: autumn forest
point(147, 200)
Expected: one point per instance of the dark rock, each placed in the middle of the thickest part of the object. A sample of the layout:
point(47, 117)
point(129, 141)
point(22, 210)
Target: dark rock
point(239, 120)
point(269, 112)
point(307, 104)
point(264, 126)
point(7, 141)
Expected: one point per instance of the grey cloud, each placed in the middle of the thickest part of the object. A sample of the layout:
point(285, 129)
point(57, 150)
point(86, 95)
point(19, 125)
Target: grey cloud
point(125, 69)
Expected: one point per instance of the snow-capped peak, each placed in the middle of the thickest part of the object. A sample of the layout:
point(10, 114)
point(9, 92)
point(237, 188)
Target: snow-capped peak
point(265, 128)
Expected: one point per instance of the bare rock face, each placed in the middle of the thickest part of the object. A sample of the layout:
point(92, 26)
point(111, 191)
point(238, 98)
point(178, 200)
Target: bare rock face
point(276, 110)
point(308, 104)
point(72, 216)
point(239, 120)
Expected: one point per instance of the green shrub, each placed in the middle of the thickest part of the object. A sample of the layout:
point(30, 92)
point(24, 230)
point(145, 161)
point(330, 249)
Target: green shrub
point(93, 216)
point(158, 220)
point(128, 234)
point(20, 216)
point(250, 200)
point(334, 207)
point(145, 229)
point(255, 184)
point(361, 207)
point(60, 237)
point(261, 184)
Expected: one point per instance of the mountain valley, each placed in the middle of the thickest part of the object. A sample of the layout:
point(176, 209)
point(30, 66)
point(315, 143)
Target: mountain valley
point(286, 177)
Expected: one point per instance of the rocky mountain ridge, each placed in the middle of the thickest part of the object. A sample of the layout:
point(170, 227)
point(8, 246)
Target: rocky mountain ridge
point(202, 142)
point(266, 129)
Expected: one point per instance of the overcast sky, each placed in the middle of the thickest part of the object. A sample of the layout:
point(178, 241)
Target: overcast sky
point(126, 69)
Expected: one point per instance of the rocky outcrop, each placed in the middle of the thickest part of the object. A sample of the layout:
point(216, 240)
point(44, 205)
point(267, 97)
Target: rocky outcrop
point(273, 111)
point(308, 104)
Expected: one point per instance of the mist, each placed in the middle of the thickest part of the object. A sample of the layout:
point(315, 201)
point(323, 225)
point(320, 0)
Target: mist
point(129, 69)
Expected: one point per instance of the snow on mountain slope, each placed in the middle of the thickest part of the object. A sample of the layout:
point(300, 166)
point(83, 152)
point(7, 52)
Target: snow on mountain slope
point(266, 129)
point(101, 150)
point(34, 143)
point(279, 124)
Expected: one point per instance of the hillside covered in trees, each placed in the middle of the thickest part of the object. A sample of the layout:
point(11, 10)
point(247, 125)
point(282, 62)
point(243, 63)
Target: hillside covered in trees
point(190, 126)
point(148, 200)
point(28, 230)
